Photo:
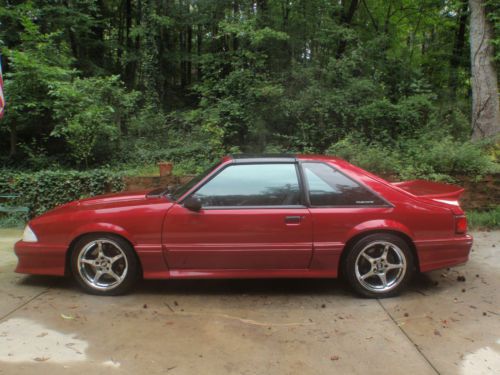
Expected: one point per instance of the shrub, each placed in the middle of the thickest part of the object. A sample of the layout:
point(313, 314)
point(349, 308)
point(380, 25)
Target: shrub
point(42, 191)
point(432, 157)
point(90, 113)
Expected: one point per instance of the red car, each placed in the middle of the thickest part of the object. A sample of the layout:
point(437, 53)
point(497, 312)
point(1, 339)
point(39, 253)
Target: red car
point(255, 217)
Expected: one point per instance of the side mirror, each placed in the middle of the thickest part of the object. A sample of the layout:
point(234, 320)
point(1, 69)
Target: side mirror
point(193, 204)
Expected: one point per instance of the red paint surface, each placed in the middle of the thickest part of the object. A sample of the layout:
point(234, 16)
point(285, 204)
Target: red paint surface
point(174, 242)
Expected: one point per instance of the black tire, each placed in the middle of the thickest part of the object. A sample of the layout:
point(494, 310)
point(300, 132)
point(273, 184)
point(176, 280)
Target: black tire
point(365, 267)
point(94, 253)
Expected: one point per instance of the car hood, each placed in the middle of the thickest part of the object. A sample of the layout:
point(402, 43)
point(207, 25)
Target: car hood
point(125, 196)
point(122, 199)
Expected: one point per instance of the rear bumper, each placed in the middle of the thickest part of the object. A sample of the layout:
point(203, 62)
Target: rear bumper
point(40, 259)
point(442, 253)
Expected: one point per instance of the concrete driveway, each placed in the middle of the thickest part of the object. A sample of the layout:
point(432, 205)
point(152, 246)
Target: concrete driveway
point(440, 326)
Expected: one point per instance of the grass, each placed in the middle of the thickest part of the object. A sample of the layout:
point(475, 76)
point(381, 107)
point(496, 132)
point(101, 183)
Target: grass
point(489, 219)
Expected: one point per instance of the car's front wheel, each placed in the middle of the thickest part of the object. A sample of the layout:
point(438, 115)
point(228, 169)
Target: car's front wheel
point(104, 264)
point(379, 265)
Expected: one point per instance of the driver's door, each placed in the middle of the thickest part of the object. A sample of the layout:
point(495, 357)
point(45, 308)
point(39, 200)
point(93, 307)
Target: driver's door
point(251, 218)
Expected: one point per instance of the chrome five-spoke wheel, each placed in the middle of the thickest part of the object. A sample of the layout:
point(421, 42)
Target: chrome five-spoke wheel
point(379, 265)
point(104, 264)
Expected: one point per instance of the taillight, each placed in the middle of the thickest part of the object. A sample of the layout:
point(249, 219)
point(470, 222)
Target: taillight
point(460, 224)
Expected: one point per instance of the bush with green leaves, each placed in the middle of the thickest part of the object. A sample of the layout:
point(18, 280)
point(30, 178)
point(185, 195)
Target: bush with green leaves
point(90, 114)
point(433, 156)
point(44, 190)
point(493, 14)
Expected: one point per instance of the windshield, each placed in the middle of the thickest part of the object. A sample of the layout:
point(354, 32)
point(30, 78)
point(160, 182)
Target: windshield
point(183, 189)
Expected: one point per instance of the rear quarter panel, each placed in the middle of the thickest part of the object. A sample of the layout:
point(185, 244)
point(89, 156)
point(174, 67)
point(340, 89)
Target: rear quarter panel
point(422, 222)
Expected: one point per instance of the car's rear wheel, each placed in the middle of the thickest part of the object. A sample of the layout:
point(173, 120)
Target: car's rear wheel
point(379, 265)
point(104, 264)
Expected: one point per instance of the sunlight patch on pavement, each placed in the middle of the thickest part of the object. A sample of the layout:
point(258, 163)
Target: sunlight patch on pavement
point(23, 340)
point(485, 360)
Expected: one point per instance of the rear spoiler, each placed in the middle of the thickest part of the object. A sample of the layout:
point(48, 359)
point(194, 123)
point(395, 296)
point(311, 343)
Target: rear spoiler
point(431, 190)
point(439, 192)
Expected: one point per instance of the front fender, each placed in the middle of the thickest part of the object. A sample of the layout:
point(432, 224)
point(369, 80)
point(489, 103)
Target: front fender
point(103, 227)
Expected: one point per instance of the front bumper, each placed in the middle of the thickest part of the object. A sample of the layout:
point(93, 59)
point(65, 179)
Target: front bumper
point(40, 259)
point(443, 253)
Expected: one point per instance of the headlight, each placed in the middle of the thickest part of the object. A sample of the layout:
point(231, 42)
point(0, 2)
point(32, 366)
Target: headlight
point(29, 235)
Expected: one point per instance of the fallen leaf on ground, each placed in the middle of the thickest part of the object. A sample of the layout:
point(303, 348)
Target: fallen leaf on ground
point(67, 317)
point(41, 359)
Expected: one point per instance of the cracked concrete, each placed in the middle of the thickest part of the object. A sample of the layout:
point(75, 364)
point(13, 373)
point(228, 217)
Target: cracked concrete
point(253, 326)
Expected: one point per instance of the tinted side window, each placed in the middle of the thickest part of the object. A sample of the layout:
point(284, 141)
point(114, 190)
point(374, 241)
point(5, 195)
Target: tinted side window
point(328, 187)
point(252, 185)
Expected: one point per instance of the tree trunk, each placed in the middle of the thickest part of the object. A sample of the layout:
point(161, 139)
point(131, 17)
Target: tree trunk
point(13, 140)
point(129, 66)
point(485, 106)
point(182, 51)
point(199, 41)
point(346, 19)
point(189, 47)
point(458, 47)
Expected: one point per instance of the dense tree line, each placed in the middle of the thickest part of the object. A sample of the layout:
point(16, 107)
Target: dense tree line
point(111, 81)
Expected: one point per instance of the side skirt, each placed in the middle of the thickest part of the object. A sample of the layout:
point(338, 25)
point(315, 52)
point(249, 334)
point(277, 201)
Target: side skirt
point(251, 274)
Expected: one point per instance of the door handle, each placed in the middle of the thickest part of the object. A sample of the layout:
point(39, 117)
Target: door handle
point(293, 219)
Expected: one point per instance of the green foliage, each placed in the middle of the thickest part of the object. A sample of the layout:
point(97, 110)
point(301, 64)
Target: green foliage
point(433, 156)
point(493, 15)
point(190, 152)
point(128, 84)
point(44, 190)
point(35, 65)
point(484, 219)
point(90, 113)
point(13, 220)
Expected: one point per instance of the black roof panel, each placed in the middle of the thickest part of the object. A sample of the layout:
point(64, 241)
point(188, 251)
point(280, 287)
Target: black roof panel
point(263, 158)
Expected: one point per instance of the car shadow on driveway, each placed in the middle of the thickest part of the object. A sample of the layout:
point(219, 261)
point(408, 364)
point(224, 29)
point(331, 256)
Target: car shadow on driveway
point(421, 283)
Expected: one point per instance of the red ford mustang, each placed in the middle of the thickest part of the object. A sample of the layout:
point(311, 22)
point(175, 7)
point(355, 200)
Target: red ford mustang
point(255, 217)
